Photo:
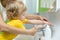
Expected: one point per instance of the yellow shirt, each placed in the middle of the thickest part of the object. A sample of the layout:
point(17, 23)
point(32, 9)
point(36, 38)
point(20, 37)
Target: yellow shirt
point(14, 23)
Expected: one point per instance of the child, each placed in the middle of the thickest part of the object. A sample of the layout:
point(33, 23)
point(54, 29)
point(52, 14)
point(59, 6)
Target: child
point(28, 16)
point(15, 14)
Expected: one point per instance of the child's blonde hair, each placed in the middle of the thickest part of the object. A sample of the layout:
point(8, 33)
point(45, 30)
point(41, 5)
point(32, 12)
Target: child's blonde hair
point(15, 9)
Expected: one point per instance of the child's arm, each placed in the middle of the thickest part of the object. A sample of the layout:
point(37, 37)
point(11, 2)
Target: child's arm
point(35, 22)
point(38, 22)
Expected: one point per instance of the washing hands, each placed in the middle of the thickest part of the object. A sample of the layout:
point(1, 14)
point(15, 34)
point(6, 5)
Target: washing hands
point(49, 23)
point(38, 22)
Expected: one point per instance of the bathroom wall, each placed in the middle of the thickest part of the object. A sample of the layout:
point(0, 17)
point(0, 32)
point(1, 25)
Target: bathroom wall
point(31, 5)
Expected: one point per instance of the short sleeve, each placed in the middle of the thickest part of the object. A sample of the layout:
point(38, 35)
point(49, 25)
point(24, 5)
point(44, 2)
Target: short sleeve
point(20, 25)
point(24, 21)
point(17, 24)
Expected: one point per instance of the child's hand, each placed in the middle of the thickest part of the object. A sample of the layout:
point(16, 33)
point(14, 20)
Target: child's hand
point(35, 29)
point(48, 23)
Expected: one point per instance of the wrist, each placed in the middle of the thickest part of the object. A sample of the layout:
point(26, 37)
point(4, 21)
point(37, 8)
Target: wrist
point(31, 32)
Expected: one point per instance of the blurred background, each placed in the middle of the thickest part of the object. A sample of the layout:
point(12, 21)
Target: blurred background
point(46, 8)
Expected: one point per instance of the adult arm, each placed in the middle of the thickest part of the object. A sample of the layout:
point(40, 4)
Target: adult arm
point(30, 16)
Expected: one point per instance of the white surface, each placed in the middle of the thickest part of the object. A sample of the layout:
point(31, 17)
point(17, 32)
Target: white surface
point(47, 32)
point(57, 4)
